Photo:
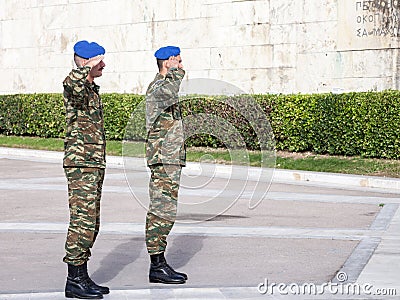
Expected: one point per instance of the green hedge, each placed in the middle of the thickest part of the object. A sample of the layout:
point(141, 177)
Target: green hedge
point(365, 124)
point(43, 115)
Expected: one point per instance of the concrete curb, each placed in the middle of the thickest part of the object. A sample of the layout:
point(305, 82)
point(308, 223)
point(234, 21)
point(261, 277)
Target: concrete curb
point(341, 179)
point(392, 185)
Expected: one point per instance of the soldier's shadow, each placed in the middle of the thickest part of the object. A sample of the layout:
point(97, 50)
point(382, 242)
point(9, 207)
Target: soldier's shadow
point(180, 249)
point(121, 256)
point(183, 248)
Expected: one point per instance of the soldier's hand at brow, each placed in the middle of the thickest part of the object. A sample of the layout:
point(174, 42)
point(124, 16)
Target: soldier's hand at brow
point(172, 62)
point(94, 61)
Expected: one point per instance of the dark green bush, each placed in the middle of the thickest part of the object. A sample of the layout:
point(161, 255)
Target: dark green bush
point(117, 112)
point(365, 124)
point(233, 123)
point(36, 115)
point(43, 115)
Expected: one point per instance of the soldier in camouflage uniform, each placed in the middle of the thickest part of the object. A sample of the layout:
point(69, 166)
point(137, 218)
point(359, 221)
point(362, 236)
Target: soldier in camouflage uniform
point(166, 155)
point(84, 165)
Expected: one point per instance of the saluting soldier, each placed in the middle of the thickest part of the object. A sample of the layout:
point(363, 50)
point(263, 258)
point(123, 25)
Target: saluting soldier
point(166, 155)
point(84, 165)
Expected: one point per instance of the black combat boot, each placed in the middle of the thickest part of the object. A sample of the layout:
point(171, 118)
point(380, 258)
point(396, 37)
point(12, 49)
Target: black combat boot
point(161, 272)
point(173, 271)
point(102, 289)
point(78, 284)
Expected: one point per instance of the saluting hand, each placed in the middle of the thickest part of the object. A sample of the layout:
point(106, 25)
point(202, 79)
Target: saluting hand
point(94, 61)
point(173, 62)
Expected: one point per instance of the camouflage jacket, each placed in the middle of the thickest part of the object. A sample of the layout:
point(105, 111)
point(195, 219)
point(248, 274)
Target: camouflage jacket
point(165, 137)
point(85, 141)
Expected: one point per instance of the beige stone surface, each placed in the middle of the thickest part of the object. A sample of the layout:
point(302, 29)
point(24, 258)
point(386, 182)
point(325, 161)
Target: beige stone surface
point(261, 46)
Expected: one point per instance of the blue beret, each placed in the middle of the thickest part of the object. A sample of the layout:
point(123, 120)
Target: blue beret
point(167, 52)
point(88, 50)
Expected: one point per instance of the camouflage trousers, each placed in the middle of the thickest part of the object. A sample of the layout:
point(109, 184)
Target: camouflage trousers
point(84, 193)
point(163, 190)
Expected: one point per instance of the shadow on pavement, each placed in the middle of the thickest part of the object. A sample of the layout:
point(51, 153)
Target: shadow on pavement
point(121, 256)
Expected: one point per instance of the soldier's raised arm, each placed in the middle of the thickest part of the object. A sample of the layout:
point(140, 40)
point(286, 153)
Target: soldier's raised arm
point(165, 91)
point(74, 86)
point(74, 83)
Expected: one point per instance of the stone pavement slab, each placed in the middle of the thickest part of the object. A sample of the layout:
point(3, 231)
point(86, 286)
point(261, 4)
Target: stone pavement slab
point(303, 232)
point(121, 261)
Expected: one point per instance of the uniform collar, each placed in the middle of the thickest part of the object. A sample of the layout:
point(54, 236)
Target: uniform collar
point(159, 76)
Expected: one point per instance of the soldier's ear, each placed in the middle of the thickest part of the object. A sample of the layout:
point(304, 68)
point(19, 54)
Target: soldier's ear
point(165, 64)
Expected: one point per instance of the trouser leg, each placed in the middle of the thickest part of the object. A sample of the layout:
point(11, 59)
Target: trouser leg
point(98, 200)
point(84, 193)
point(163, 191)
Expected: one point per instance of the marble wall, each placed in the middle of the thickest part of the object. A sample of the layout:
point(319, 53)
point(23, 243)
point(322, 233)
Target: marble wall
point(260, 46)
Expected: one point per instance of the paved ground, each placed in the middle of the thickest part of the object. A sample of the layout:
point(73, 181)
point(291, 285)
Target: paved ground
point(311, 228)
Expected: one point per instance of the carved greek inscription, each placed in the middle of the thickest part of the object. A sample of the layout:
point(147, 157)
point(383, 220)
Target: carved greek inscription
point(377, 18)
